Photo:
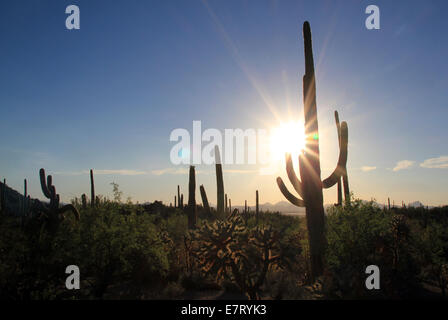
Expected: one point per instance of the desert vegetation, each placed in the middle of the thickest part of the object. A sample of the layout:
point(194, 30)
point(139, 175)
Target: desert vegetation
point(127, 250)
point(152, 251)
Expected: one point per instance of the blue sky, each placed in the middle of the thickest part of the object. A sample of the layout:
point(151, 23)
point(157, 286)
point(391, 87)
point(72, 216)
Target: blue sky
point(107, 96)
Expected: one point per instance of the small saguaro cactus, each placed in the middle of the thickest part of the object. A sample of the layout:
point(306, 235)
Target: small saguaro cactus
point(181, 201)
point(3, 196)
point(175, 201)
point(84, 201)
point(178, 196)
point(26, 201)
point(219, 182)
point(191, 210)
point(92, 190)
point(226, 203)
point(204, 199)
point(257, 212)
point(52, 212)
point(310, 188)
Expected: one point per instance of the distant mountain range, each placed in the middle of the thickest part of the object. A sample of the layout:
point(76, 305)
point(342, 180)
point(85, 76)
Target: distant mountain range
point(287, 208)
point(282, 206)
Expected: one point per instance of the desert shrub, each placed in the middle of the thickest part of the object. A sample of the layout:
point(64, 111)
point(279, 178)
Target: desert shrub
point(111, 243)
point(362, 234)
point(434, 255)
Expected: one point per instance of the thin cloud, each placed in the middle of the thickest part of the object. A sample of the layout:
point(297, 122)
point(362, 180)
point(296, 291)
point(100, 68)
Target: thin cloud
point(403, 164)
point(436, 163)
point(122, 172)
point(240, 171)
point(367, 168)
point(160, 172)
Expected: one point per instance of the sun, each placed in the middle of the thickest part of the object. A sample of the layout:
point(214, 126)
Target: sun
point(288, 137)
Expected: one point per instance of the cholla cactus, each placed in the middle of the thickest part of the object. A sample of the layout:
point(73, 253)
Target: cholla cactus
point(310, 188)
point(228, 250)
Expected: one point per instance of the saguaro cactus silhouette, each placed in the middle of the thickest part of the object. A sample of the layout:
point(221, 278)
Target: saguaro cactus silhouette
point(310, 188)
point(3, 196)
point(84, 201)
point(226, 208)
point(344, 168)
point(26, 201)
point(178, 196)
point(204, 199)
point(256, 207)
point(191, 210)
point(53, 213)
point(219, 182)
point(92, 189)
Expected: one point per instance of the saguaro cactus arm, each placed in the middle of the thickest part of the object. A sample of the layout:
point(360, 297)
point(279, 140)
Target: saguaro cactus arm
point(342, 161)
point(43, 183)
point(49, 190)
point(69, 207)
point(288, 195)
point(338, 130)
point(292, 175)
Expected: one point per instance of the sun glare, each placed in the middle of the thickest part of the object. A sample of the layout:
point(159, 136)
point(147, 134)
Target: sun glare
point(287, 138)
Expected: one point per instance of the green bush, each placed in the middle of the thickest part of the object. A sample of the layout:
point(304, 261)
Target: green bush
point(362, 234)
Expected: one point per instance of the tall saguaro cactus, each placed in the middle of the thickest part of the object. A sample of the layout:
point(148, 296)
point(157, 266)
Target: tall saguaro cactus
point(219, 182)
point(310, 186)
point(92, 189)
point(192, 215)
